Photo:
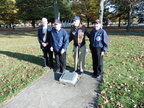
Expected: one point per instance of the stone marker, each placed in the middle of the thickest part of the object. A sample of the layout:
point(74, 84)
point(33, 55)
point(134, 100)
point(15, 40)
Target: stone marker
point(69, 77)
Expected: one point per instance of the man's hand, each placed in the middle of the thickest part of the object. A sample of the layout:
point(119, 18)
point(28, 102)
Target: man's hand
point(44, 44)
point(51, 48)
point(62, 51)
point(102, 53)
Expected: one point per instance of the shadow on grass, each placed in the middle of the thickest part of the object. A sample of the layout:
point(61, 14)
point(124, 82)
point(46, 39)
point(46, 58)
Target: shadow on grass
point(126, 34)
point(17, 34)
point(25, 57)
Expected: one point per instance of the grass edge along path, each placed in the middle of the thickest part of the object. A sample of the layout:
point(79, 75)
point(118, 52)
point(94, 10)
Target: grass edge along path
point(21, 62)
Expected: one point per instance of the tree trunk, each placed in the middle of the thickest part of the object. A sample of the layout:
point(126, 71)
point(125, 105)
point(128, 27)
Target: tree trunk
point(119, 21)
point(129, 18)
point(56, 10)
point(10, 26)
point(13, 26)
point(33, 23)
point(101, 8)
point(87, 22)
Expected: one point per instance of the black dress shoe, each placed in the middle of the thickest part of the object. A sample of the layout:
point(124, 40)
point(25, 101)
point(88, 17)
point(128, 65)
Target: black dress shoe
point(51, 66)
point(94, 75)
point(80, 72)
point(63, 70)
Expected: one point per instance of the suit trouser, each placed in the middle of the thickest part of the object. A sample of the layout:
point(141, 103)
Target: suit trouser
point(79, 57)
point(60, 60)
point(97, 60)
point(48, 56)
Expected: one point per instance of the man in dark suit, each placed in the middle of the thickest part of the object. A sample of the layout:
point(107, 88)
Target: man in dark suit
point(98, 46)
point(44, 33)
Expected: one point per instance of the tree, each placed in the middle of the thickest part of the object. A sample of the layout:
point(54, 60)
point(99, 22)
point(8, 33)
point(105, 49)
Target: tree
point(86, 9)
point(65, 11)
point(62, 10)
point(131, 4)
point(123, 8)
point(35, 9)
point(139, 11)
point(8, 12)
point(119, 11)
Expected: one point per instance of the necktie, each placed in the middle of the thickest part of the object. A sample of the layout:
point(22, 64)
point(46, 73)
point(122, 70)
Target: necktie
point(45, 34)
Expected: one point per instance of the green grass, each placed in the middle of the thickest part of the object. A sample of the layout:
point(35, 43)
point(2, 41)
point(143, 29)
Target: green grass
point(124, 73)
point(21, 63)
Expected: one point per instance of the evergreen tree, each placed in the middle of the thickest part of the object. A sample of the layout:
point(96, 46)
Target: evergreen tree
point(36, 9)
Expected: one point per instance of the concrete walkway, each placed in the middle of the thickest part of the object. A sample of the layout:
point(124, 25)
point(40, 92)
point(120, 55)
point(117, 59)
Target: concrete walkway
point(48, 92)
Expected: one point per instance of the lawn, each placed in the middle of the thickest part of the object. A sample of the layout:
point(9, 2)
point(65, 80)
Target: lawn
point(123, 81)
point(21, 64)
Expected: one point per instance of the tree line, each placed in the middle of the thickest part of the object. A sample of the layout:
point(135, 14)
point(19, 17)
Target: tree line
point(16, 11)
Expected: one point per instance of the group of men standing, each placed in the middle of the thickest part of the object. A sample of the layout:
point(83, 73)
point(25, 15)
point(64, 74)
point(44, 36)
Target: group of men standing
point(56, 40)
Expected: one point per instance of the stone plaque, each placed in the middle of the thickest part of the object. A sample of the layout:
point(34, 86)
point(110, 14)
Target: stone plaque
point(69, 77)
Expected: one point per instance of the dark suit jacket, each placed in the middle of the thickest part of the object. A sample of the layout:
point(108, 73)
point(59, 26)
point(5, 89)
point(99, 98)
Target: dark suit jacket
point(41, 35)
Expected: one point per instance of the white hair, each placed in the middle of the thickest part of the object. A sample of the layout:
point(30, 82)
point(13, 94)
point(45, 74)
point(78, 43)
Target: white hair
point(44, 20)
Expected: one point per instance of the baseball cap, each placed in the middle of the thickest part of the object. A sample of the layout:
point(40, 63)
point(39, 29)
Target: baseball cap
point(97, 21)
point(76, 18)
point(57, 21)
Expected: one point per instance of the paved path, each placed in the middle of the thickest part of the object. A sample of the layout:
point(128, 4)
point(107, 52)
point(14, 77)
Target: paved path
point(47, 92)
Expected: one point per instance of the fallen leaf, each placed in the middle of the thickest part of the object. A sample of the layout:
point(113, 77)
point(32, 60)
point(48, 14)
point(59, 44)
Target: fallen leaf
point(61, 83)
point(109, 92)
point(78, 78)
point(119, 104)
point(142, 57)
point(105, 102)
point(100, 106)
